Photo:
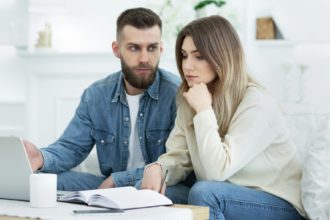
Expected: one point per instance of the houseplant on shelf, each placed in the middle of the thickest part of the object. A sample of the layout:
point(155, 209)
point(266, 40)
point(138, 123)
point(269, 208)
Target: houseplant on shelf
point(200, 6)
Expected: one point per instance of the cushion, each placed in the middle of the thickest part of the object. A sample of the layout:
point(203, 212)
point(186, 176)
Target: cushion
point(316, 174)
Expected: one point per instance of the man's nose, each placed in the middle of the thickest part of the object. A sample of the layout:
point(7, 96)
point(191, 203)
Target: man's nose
point(144, 58)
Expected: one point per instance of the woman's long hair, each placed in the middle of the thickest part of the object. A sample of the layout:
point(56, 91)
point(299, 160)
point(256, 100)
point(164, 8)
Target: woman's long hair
point(217, 41)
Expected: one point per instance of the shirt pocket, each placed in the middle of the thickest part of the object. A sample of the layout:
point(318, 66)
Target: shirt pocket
point(106, 149)
point(155, 140)
point(102, 137)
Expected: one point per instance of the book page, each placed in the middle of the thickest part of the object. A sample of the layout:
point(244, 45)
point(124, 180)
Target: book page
point(118, 198)
point(85, 195)
point(129, 199)
point(75, 197)
point(108, 193)
point(145, 198)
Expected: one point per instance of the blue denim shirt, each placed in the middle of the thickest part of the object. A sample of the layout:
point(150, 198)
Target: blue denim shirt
point(102, 119)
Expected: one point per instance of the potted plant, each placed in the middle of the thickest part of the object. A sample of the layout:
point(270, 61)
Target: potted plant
point(200, 6)
point(203, 3)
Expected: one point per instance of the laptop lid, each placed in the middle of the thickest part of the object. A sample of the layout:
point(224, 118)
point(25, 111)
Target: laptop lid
point(15, 169)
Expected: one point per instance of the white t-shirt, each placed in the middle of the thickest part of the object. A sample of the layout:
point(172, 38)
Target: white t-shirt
point(135, 158)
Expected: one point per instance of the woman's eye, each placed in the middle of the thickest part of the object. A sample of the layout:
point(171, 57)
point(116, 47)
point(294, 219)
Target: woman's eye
point(199, 57)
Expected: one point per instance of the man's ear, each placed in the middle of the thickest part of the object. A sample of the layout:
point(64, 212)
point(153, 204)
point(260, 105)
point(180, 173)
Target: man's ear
point(115, 49)
point(161, 47)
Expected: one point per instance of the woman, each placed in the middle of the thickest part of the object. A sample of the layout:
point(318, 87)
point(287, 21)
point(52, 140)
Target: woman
point(229, 131)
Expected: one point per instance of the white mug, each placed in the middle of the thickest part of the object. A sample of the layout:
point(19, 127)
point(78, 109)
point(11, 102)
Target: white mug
point(43, 190)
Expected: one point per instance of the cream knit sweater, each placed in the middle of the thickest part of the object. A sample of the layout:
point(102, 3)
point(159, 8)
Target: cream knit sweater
point(256, 152)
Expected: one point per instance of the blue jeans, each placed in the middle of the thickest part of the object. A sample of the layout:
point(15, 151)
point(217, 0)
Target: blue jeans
point(75, 181)
point(233, 202)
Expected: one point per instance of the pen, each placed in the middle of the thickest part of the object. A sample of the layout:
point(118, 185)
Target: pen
point(163, 181)
point(94, 211)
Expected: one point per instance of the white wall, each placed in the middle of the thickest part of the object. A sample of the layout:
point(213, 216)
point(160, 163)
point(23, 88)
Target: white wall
point(277, 64)
point(81, 25)
point(88, 27)
point(13, 22)
point(12, 75)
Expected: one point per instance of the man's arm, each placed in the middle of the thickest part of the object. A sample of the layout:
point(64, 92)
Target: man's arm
point(123, 178)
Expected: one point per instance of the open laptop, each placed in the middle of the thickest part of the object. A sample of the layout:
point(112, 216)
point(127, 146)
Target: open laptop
point(15, 169)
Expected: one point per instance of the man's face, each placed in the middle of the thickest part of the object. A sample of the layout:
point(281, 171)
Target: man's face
point(139, 52)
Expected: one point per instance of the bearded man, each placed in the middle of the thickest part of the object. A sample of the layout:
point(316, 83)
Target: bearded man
point(127, 116)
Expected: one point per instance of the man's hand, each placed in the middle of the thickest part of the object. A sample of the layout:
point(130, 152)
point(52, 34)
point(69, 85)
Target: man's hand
point(152, 179)
point(35, 157)
point(107, 183)
point(199, 97)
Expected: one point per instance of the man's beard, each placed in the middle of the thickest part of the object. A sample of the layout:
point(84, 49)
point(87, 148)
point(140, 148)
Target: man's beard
point(135, 80)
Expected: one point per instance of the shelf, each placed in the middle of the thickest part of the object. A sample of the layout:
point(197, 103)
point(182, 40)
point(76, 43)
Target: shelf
point(274, 43)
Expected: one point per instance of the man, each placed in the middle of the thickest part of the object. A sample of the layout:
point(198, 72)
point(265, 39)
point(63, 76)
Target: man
point(128, 115)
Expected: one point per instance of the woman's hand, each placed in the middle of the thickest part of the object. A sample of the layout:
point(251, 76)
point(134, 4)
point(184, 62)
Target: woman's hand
point(152, 179)
point(107, 183)
point(199, 97)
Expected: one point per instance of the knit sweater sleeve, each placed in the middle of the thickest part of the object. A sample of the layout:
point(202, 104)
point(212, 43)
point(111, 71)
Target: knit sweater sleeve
point(177, 158)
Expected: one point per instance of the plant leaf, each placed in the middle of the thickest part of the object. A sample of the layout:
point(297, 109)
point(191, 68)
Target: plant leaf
point(204, 3)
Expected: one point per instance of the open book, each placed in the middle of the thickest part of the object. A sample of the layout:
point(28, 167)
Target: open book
point(117, 198)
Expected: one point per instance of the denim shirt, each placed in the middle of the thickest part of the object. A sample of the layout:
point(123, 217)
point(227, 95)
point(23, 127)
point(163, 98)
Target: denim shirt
point(102, 119)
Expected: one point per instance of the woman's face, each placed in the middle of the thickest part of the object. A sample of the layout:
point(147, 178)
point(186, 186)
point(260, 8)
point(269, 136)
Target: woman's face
point(195, 68)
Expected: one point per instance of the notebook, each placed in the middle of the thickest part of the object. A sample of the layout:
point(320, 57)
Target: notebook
point(15, 169)
point(118, 198)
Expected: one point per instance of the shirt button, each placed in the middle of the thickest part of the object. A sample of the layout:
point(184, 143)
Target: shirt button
point(141, 114)
point(102, 141)
point(159, 141)
point(140, 138)
point(125, 142)
point(126, 118)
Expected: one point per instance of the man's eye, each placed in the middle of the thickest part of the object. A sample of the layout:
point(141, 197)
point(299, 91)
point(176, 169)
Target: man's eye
point(152, 48)
point(133, 48)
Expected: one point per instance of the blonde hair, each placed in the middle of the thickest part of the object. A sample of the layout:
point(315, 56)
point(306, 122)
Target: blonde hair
point(217, 41)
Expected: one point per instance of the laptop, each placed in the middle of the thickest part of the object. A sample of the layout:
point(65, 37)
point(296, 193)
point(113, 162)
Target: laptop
point(15, 169)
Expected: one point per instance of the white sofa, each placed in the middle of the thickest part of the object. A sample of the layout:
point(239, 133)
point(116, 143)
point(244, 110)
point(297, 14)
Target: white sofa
point(310, 130)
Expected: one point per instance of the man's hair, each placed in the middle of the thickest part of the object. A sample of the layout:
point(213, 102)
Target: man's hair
point(141, 18)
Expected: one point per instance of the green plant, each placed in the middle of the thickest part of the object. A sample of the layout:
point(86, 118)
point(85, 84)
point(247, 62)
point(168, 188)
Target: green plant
point(203, 3)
